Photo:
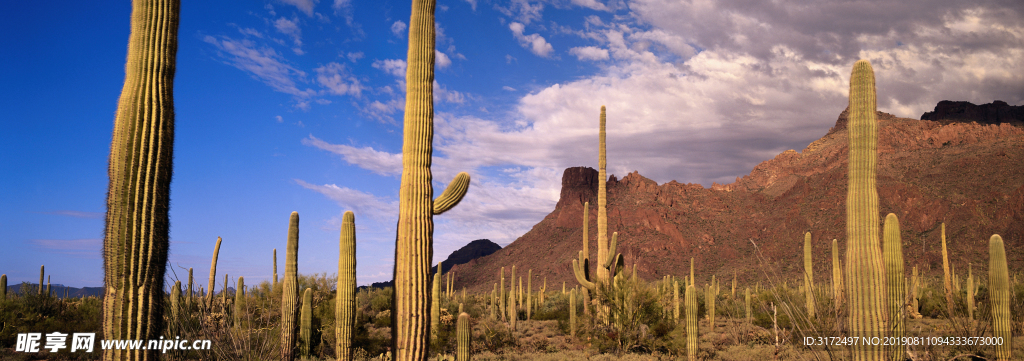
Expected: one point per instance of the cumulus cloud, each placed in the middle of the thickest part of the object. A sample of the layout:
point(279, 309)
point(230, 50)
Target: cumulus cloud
point(398, 28)
point(533, 42)
point(441, 60)
point(394, 67)
point(589, 53)
point(338, 81)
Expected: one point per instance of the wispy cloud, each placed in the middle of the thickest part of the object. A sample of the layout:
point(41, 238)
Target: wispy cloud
point(82, 248)
point(383, 163)
point(305, 6)
point(362, 203)
point(76, 214)
point(533, 42)
point(394, 67)
point(337, 79)
point(263, 63)
point(291, 28)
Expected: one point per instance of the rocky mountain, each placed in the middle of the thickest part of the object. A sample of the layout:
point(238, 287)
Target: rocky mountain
point(966, 174)
point(468, 253)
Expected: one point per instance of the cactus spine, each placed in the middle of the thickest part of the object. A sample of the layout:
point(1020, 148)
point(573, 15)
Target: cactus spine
point(290, 290)
point(999, 293)
point(213, 275)
point(808, 275)
point(136, 229)
point(895, 281)
point(305, 329)
point(691, 322)
point(864, 264)
point(240, 310)
point(345, 302)
point(463, 335)
point(414, 247)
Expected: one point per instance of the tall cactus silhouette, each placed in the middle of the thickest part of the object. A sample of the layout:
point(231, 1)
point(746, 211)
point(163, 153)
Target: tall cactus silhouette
point(136, 230)
point(47, 286)
point(345, 302)
point(414, 247)
point(999, 296)
point(3, 287)
point(808, 275)
point(947, 280)
point(463, 334)
point(865, 269)
point(290, 290)
point(895, 281)
point(691, 322)
point(306, 328)
point(42, 275)
point(213, 275)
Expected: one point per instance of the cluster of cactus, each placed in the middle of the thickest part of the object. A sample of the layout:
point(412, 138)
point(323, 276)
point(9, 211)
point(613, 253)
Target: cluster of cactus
point(865, 268)
point(808, 275)
point(137, 224)
point(414, 242)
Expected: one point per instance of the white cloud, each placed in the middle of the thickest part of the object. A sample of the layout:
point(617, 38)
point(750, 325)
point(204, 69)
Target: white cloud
point(398, 28)
point(338, 81)
point(589, 53)
point(279, 119)
point(382, 163)
point(306, 6)
point(361, 203)
point(533, 42)
point(450, 96)
point(472, 4)
point(355, 56)
point(262, 63)
point(394, 67)
point(592, 4)
point(506, 87)
point(441, 60)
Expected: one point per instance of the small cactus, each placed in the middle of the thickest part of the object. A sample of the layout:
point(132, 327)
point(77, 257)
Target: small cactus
point(463, 334)
point(305, 329)
point(970, 297)
point(240, 311)
point(275, 287)
point(999, 296)
point(947, 280)
point(837, 276)
point(691, 322)
point(572, 312)
point(747, 299)
point(808, 275)
point(501, 297)
point(435, 303)
point(529, 293)
point(675, 301)
point(191, 289)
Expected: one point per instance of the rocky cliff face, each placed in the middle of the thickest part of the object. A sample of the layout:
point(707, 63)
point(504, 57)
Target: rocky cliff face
point(997, 112)
point(966, 174)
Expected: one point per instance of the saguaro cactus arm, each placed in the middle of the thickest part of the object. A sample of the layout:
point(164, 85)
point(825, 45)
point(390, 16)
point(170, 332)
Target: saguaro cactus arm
point(136, 231)
point(452, 194)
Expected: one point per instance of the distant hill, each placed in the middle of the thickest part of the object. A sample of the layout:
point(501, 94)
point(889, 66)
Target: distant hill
point(468, 253)
point(57, 290)
point(966, 173)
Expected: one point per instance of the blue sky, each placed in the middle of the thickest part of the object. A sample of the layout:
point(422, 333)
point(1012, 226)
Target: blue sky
point(296, 105)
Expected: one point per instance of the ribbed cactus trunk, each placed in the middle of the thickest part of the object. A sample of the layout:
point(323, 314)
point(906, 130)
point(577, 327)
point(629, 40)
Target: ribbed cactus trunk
point(494, 302)
point(345, 300)
point(915, 285)
point(675, 301)
point(837, 277)
point(602, 204)
point(240, 313)
point(213, 274)
point(999, 296)
point(306, 328)
point(572, 312)
point(435, 303)
point(691, 322)
point(463, 335)
point(290, 290)
point(895, 281)
point(865, 269)
point(414, 248)
point(191, 290)
point(136, 231)
point(808, 275)
point(513, 311)
point(947, 280)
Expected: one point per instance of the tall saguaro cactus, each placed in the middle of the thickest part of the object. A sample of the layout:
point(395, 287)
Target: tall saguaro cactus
point(865, 269)
point(463, 334)
point(290, 290)
point(837, 276)
point(42, 275)
point(136, 230)
point(572, 312)
point(947, 281)
point(3, 287)
point(691, 322)
point(414, 247)
point(895, 281)
point(999, 291)
point(306, 328)
point(275, 286)
point(213, 274)
point(345, 303)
